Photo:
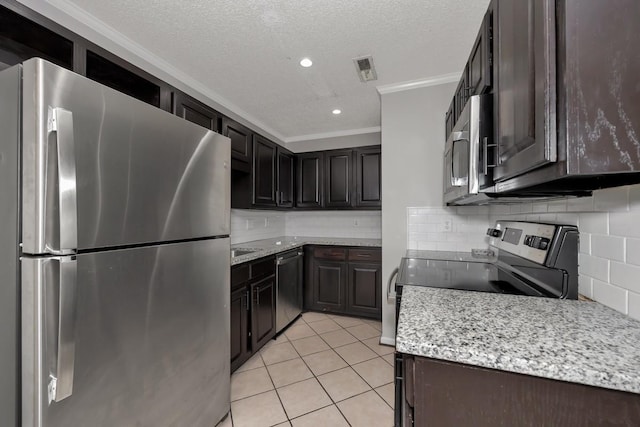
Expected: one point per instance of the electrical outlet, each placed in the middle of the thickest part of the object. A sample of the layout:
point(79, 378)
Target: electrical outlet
point(355, 222)
point(266, 222)
point(249, 224)
point(447, 225)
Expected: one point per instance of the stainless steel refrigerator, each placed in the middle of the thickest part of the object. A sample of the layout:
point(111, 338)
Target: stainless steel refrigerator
point(114, 257)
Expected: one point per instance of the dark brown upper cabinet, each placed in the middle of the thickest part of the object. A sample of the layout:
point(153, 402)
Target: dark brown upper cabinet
point(338, 178)
point(310, 180)
point(22, 38)
point(122, 77)
point(196, 112)
point(285, 196)
point(462, 92)
point(264, 172)
point(479, 72)
point(368, 177)
point(527, 87)
point(241, 144)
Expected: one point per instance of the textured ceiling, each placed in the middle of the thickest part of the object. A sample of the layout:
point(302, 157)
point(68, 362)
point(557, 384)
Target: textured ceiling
point(247, 51)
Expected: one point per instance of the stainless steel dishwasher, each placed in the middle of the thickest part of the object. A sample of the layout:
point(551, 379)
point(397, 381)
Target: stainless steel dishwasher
point(288, 287)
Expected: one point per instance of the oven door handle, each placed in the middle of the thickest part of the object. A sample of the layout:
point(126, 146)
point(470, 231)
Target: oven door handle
point(393, 274)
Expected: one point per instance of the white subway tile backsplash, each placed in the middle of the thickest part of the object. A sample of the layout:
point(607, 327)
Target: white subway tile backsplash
point(610, 295)
point(626, 276)
point(633, 251)
point(595, 267)
point(609, 224)
point(585, 286)
point(610, 247)
point(611, 199)
point(624, 224)
point(585, 243)
point(593, 223)
point(633, 303)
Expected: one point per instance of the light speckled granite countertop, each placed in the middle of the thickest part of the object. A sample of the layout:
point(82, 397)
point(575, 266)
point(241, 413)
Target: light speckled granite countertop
point(575, 341)
point(280, 244)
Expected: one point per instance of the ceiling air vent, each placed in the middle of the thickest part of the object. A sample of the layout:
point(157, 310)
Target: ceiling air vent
point(365, 68)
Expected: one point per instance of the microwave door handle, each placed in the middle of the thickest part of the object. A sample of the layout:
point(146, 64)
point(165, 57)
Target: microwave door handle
point(61, 122)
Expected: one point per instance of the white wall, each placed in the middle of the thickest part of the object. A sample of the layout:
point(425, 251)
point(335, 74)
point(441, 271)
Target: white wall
point(348, 141)
point(412, 150)
point(248, 225)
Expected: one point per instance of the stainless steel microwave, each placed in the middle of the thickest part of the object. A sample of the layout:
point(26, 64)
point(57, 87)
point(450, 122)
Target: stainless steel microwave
point(468, 154)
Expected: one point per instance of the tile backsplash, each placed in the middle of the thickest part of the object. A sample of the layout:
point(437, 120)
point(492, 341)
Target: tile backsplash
point(248, 225)
point(609, 224)
point(363, 224)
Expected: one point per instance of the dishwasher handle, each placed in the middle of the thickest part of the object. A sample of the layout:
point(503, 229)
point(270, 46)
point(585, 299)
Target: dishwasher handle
point(394, 273)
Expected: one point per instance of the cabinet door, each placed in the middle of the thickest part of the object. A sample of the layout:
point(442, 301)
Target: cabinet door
point(526, 93)
point(195, 112)
point(329, 285)
point(263, 312)
point(368, 177)
point(310, 185)
point(22, 39)
point(364, 289)
point(462, 91)
point(480, 60)
point(239, 327)
point(338, 178)
point(450, 118)
point(285, 179)
point(264, 172)
point(241, 142)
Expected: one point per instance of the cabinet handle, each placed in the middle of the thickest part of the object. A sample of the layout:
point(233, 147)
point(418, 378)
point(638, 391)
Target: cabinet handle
point(485, 147)
point(258, 296)
point(246, 300)
point(363, 255)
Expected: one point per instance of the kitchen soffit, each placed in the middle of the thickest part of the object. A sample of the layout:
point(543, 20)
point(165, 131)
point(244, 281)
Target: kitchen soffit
point(244, 54)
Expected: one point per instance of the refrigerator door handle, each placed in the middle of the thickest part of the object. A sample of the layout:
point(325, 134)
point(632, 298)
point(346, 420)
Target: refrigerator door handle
point(61, 381)
point(61, 122)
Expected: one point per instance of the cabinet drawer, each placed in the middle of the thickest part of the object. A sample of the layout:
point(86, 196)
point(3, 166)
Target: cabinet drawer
point(338, 254)
point(365, 255)
point(239, 274)
point(263, 267)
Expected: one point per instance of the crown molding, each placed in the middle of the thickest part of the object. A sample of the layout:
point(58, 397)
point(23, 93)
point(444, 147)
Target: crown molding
point(335, 134)
point(93, 29)
point(415, 84)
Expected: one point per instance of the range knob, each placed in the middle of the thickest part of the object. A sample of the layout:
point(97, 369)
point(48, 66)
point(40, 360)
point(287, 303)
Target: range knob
point(537, 242)
point(494, 232)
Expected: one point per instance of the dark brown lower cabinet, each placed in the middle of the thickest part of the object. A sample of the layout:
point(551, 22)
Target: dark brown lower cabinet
point(364, 289)
point(263, 312)
point(252, 308)
point(239, 327)
point(439, 393)
point(343, 280)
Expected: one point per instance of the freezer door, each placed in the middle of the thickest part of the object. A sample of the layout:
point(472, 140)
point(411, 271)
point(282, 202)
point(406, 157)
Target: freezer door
point(130, 337)
point(101, 169)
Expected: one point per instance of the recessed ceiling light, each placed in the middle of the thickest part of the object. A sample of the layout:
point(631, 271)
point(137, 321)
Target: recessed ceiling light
point(336, 111)
point(306, 62)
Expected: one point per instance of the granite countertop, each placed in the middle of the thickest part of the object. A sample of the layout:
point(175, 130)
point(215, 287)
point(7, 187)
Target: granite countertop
point(280, 244)
point(574, 341)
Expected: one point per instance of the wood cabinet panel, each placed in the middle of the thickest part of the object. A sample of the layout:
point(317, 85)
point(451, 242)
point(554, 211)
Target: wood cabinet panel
point(368, 177)
point(329, 278)
point(264, 172)
point(239, 310)
point(364, 288)
point(491, 397)
point(263, 312)
point(190, 109)
point(241, 144)
point(285, 196)
point(310, 180)
point(338, 178)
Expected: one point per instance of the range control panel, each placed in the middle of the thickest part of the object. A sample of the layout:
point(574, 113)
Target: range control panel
point(529, 240)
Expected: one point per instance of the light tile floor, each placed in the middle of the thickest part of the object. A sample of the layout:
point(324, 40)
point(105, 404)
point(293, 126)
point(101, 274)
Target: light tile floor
point(324, 370)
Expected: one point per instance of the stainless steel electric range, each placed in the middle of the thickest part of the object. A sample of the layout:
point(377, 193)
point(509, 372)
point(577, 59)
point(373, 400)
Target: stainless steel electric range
point(525, 258)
